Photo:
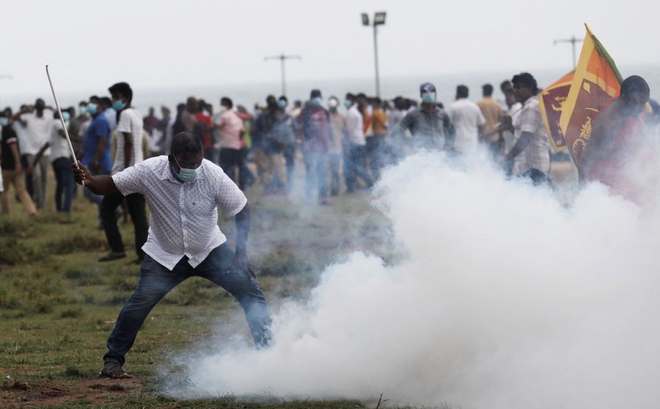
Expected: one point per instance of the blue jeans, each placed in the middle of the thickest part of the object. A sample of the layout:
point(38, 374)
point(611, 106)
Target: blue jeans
point(316, 165)
point(156, 281)
point(65, 184)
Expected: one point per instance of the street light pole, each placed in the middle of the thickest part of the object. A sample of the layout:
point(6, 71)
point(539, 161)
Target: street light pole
point(573, 41)
point(379, 20)
point(283, 58)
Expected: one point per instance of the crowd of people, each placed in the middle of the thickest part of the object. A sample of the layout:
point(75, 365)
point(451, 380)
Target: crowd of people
point(187, 165)
point(343, 143)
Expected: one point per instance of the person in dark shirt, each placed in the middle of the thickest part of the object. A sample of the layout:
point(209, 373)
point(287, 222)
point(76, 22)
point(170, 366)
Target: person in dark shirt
point(12, 169)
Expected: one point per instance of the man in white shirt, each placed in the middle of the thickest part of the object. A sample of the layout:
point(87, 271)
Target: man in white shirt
point(467, 119)
point(184, 191)
point(354, 154)
point(128, 153)
point(38, 125)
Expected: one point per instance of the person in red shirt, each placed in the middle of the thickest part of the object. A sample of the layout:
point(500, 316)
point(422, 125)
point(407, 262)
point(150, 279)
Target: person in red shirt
point(202, 129)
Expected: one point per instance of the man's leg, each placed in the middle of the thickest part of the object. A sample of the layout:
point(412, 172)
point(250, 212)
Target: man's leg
point(109, 219)
point(155, 282)
point(44, 165)
point(322, 175)
point(137, 207)
point(7, 178)
point(18, 180)
point(59, 183)
point(217, 268)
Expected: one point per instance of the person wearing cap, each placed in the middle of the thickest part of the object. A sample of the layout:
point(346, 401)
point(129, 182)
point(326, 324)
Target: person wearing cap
point(314, 121)
point(428, 124)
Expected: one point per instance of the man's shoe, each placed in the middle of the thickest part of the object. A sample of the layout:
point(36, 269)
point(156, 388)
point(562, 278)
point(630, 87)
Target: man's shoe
point(113, 370)
point(112, 256)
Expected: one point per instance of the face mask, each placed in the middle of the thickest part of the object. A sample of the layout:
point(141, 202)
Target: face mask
point(428, 97)
point(348, 104)
point(92, 108)
point(4, 121)
point(66, 116)
point(281, 103)
point(82, 110)
point(118, 105)
point(187, 175)
point(316, 101)
point(333, 103)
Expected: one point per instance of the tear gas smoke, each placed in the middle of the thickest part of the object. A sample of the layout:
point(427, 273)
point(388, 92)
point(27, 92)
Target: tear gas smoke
point(506, 299)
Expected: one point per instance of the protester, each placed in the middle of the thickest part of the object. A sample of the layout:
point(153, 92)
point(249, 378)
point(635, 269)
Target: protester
point(530, 156)
point(129, 152)
point(184, 191)
point(468, 120)
point(618, 151)
point(245, 176)
point(39, 125)
point(96, 148)
point(165, 127)
point(202, 128)
point(429, 124)
point(335, 152)
point(285, 130)
point(12, 169)
point(376, 144)
point(492, 111)
point(230, 132)
point(354, 147)
point(60, 157)
point(270, 161)
point(314, 121)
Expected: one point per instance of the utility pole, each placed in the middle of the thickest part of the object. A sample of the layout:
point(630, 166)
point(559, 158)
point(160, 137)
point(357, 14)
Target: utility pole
point(5, 77)
point(379, 20)
point(573, 41)
point(283, 58)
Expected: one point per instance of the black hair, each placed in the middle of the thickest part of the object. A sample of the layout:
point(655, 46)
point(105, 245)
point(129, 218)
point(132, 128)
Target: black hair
point(185, 142)
point(377, 101)
point(123, 89)
point(505, 84)
point(462, 91)
point(350, 97)
point(526, 79)
point(283, 98)
point(633, 84)
point(227, 101)
point(487, 90)
point(105, 101)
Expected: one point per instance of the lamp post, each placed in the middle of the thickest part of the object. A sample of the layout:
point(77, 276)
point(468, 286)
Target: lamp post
point(379, 20)
point(283, 58)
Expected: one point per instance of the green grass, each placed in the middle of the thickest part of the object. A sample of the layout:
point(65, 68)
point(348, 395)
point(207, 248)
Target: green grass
point(58, 304)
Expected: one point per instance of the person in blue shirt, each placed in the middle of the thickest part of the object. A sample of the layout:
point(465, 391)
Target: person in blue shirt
point(96, 145)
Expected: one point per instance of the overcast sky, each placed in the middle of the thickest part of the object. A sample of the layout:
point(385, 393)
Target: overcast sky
point(91, 44)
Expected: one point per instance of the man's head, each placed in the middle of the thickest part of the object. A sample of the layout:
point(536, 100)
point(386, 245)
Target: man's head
point(282, 102)
point(428, 93)
point(635, 93)
point(315, 97)
point(226, 103)
point(377, 103)
point(165, 111)
point(271, 101)
point(105, 103)
point(333, 103)
point(152, 111)
point(462, 91)
point(524, 86)
point(39, 105)
point(5, 117)
point(122, 95)
point(487, 90)
point(186, 155)
point(506, 86)
point(82, 108)
point(191, 105)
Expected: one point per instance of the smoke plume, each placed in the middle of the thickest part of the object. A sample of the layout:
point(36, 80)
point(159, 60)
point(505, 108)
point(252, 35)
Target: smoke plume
point(506, 298)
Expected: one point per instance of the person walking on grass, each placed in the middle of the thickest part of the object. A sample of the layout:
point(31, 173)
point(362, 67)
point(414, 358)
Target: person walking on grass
point(184, 191)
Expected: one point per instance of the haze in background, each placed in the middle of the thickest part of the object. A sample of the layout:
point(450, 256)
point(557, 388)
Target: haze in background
point(172, 44)
point(507, 299)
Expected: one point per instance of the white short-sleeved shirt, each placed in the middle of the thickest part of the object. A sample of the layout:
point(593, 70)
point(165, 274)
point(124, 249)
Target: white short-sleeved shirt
point(38, 131)
point(355, 126)
point(130, 121)
point(59, 145)
point(184, 216)
point(467, 118)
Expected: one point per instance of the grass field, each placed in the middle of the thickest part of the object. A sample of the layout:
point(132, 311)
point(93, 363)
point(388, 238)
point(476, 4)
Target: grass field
point(58, 304)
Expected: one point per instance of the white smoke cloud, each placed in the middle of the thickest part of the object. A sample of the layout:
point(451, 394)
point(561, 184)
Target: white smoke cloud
point(506, 299)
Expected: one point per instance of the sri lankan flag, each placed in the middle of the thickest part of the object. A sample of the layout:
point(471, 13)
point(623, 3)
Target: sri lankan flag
point(551, 102)
point(595, 84)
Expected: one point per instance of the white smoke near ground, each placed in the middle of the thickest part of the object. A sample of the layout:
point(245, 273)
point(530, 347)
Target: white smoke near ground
point(506, 299)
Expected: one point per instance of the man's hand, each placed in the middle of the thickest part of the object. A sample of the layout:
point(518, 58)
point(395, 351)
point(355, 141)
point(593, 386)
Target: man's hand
point(81, 174)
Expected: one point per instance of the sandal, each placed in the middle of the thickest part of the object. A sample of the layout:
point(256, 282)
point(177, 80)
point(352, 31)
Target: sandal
point(113, 370)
